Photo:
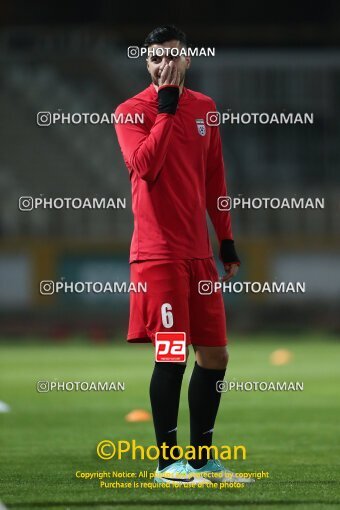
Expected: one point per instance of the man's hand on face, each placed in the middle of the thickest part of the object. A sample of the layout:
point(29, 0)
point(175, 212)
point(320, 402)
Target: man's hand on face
point(168, 88)
point(169, 75)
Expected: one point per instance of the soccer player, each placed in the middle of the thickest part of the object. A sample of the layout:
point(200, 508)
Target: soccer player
point(177, 173)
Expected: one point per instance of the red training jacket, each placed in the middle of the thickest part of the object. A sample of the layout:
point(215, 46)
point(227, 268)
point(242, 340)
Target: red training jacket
point(176, 170)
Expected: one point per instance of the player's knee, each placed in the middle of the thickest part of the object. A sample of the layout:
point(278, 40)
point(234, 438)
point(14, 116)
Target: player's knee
point(216, 359)
point(221, 355)
point(222, 359)
point(186, 358)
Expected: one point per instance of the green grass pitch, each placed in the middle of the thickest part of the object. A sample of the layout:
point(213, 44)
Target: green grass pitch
point(47, 437)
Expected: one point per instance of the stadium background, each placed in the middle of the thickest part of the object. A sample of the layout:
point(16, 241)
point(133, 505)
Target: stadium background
point(285, 63)
point(74, 59)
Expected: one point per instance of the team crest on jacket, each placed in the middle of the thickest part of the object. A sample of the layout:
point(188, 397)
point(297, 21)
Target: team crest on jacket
point(201, 127)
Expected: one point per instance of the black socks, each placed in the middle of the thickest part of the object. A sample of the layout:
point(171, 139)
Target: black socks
point(165, 389)
point(204, 401)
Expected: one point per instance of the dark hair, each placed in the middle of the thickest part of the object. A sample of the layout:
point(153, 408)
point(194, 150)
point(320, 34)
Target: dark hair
point(165, 33)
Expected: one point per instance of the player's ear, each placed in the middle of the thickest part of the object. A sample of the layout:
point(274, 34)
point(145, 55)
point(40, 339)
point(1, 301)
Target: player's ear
point(188, 62)
point(148, 65)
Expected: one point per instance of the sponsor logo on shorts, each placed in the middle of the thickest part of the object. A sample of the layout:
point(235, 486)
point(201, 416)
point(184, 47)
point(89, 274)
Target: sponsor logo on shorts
point(170, 346)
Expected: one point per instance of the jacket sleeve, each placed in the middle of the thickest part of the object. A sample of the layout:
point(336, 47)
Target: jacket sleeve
point(216, 186)
point(144, 150)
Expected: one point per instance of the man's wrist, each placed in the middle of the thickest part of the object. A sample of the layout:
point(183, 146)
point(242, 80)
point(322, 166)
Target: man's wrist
point(228, 253)
point(168, 96)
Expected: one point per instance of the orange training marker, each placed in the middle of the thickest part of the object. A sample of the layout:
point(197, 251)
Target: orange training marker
point(138, 415)
point(281, 357)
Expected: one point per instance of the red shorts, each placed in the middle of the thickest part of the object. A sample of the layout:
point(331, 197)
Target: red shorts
point(172, 302)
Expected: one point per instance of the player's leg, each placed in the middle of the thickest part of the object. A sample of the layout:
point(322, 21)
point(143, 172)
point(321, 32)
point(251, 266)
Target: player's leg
point(165, 389)
point(210, 367)
point(209, 339)
point(204, 399)
point(208, 336)
point(167, 286)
